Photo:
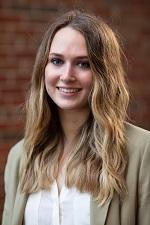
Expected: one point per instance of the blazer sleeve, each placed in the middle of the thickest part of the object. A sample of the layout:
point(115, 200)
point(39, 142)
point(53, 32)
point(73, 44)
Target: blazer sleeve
point(144, 187)
point(11, 176)
point(7, 209)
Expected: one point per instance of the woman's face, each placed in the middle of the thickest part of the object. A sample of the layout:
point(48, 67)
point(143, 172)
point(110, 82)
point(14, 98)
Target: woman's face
point(68, 77)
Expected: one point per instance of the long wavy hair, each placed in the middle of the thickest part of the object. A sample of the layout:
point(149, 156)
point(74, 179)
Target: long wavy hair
point(98, 162)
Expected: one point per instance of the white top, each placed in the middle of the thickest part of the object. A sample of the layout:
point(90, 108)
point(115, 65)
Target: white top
point(70, 207)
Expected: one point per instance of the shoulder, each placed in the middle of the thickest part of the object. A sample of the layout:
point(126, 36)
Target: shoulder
point(137, 137)
point(138, 175)
point(12, 165)
point(17, 149)
point(138, 145)
point(11, 180)
point(15, 155)
point(138, 148)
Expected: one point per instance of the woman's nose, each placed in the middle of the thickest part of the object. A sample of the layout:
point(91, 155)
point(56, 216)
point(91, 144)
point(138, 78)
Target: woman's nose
point(67, 74)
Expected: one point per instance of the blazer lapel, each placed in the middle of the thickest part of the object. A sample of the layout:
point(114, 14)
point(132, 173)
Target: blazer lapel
point(19, 207)
point(99, 213)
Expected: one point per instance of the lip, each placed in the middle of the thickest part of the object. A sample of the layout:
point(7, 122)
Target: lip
point(69, 90)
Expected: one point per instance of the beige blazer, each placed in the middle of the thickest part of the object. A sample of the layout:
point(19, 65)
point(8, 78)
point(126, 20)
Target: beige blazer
point(133, 210)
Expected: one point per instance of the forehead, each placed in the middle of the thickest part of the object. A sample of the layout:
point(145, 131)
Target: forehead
point(68, 39)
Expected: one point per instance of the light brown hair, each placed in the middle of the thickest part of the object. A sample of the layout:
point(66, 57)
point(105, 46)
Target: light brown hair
point(98, 162)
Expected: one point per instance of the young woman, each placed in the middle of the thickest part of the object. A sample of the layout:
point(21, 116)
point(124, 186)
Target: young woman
point(80, 162)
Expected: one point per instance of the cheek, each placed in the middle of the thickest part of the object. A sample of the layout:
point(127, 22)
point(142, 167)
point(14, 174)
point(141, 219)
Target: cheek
point(46, 80)
point(50, 77)
point(88, 80)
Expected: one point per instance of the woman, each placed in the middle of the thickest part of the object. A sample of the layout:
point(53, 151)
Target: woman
point(80, 162)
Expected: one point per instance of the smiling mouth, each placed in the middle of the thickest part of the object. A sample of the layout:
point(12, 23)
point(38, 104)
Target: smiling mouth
point(69, 90)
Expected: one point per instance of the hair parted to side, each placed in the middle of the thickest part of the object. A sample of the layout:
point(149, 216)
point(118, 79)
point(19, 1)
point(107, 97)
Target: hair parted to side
point(97, 164)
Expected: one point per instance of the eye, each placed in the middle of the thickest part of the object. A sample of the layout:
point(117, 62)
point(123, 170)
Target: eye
point(84, 65)
point(56, 61)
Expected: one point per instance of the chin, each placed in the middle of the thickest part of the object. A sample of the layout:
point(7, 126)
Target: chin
point(73, 108)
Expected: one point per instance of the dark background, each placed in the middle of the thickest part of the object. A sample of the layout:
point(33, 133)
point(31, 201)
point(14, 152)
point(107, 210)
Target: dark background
point(22, 24)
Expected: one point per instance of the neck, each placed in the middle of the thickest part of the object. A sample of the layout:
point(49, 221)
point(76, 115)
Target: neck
point(71, 122)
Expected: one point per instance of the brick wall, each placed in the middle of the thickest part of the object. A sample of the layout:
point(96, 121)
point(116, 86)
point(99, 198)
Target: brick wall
point(22, 24)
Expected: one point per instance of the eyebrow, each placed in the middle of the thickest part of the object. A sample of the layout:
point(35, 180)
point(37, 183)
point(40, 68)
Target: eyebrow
point(62, 56)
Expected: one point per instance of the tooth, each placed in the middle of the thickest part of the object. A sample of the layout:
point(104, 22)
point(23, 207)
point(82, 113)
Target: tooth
point(69, 90)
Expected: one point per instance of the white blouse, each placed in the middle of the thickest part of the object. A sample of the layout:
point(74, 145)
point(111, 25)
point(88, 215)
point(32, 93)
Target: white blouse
point(70, 207)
